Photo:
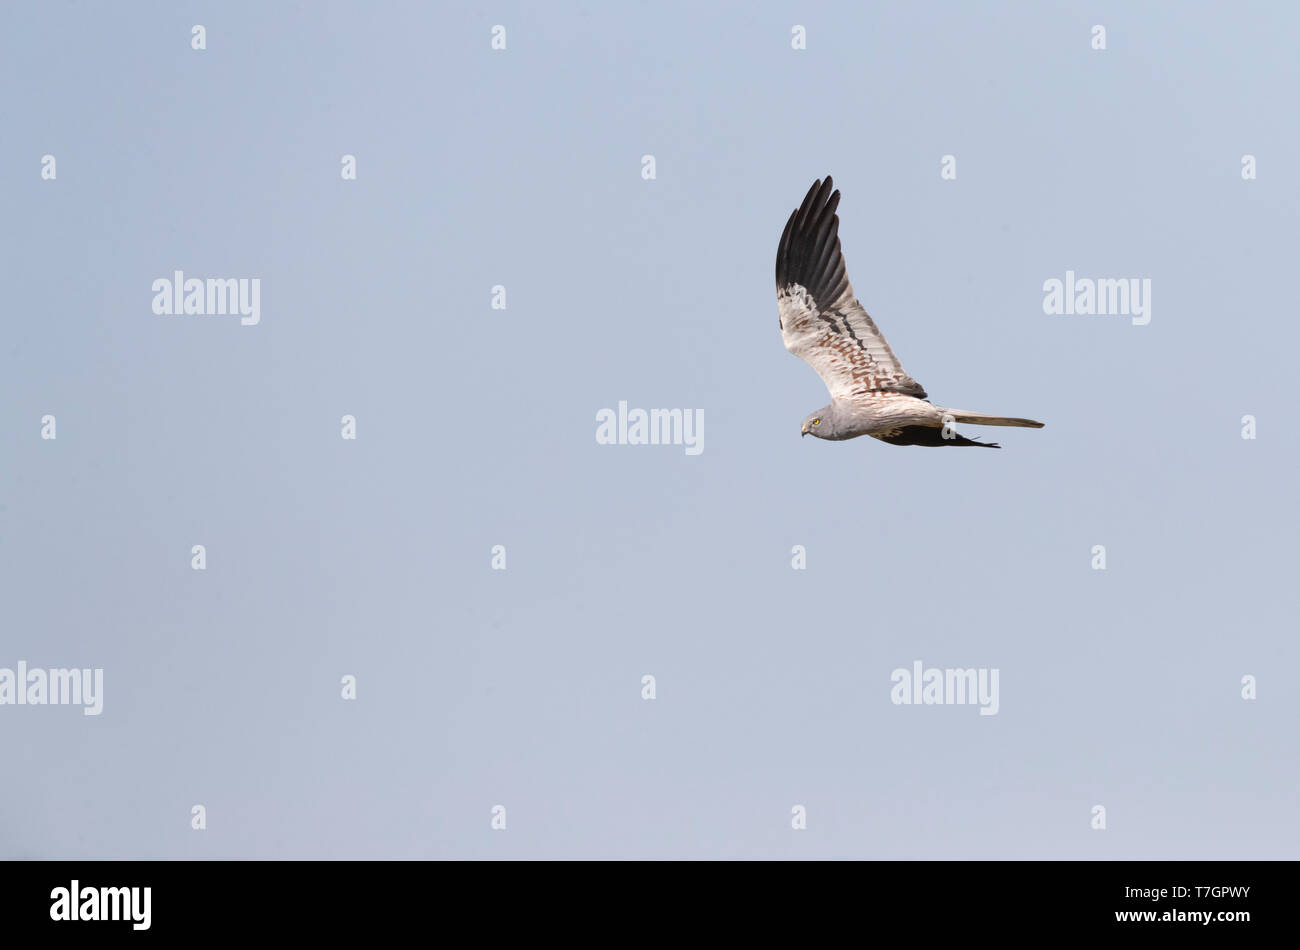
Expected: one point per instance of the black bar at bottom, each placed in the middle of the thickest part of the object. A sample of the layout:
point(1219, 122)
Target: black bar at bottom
point(1225, 900)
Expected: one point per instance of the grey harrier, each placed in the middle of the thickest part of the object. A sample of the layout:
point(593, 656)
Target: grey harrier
point(823, 324)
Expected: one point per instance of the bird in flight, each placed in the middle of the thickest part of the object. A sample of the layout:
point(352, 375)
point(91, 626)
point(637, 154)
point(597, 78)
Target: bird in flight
point(823, 324)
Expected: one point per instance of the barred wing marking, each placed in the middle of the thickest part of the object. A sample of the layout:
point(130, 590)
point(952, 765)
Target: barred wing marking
point(822, 323)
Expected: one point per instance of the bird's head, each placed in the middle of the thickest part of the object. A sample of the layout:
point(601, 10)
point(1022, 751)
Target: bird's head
point(820, 424)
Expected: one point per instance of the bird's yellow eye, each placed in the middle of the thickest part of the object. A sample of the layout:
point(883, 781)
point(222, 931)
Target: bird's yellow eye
point(817, 422)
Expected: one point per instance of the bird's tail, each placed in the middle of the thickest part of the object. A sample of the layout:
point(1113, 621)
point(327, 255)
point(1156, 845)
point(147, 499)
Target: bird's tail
point(984, 419)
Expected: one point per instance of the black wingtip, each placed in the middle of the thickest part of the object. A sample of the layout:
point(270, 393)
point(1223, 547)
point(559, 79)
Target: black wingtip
point(809, 251)
point(934, 437)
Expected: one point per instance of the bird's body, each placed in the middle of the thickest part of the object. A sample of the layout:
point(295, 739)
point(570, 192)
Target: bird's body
point(881, 414)
point(823, 324)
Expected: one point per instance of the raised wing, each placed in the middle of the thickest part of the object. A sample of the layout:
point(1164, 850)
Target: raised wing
point(822, 323)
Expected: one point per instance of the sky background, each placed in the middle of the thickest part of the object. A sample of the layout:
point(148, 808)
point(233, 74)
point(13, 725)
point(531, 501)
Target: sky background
point(476, 427)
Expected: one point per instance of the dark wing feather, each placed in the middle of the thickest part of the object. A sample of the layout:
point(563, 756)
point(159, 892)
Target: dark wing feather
point(927, 435)
point(822, 323)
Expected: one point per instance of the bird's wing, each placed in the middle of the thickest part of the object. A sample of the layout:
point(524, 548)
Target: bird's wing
point(822, 323)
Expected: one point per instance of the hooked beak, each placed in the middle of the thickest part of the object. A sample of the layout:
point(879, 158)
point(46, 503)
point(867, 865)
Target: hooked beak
point(803, 431)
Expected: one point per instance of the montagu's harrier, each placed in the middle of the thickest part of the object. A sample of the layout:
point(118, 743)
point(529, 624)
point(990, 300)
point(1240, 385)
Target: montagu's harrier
point(823, 324)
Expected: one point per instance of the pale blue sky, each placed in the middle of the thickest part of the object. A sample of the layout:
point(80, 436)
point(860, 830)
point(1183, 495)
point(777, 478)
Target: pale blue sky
point(476, 428)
